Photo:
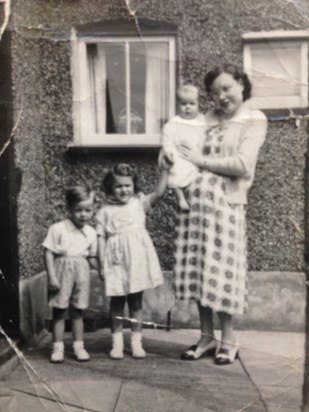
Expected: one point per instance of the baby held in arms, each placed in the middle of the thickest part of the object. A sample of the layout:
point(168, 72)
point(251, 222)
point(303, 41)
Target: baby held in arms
point(186, 128)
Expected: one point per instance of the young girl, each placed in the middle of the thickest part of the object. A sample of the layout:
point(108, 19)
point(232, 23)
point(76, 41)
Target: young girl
point(70, 246)
point(127, 258)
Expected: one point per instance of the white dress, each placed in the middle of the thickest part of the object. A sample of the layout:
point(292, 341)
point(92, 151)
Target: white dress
point(131, 263)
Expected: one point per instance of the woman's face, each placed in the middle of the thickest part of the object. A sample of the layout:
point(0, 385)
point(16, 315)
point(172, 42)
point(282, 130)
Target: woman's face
point(227, 93)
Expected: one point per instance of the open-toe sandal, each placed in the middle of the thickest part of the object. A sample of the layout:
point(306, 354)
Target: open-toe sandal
point(195, 352)
point(225, 356)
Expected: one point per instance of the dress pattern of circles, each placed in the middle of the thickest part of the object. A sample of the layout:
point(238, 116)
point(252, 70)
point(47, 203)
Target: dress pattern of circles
point(210, 258)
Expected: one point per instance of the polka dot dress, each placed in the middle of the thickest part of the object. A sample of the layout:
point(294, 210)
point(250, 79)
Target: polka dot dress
point(210, 259)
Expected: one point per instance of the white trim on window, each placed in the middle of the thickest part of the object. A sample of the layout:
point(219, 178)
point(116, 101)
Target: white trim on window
point(83, 112)
point(272, 42)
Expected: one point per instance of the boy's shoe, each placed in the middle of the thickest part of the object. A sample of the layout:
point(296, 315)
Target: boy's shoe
point(57, 355)
point(117, 350)
point(80, 352)
point(138, 351)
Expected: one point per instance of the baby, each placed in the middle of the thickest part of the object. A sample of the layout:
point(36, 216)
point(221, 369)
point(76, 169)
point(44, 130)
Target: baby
point(186, 128)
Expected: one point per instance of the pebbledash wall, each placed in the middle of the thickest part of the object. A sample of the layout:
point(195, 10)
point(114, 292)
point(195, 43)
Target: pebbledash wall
point(209, 33)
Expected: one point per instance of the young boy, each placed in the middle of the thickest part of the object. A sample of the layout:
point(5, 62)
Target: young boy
point(186, 128)
point(69, 248)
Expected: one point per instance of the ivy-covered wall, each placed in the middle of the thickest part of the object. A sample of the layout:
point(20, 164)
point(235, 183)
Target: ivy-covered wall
point(209, 33)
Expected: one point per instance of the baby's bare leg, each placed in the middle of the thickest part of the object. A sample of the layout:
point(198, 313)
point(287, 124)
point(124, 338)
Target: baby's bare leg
point(182, 203)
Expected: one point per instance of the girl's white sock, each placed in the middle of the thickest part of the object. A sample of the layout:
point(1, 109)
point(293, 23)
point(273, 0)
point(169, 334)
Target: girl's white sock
point(57, 355)
point(136, 345)
point(117, 349)
point(80, 352)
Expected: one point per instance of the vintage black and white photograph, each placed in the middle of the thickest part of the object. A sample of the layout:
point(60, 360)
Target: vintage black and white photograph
point(154, 206)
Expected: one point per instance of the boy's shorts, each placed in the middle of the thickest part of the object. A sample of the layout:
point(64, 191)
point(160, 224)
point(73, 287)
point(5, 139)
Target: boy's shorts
point(74, 278)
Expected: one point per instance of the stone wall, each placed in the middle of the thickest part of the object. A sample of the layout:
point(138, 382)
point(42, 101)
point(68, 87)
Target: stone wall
point(209, 32)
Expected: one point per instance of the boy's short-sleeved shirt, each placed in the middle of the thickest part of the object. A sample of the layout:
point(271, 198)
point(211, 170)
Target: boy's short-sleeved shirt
point(64, 238)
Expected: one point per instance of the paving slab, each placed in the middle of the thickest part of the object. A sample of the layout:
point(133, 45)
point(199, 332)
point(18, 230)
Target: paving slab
point(275, 363)
point(265, 379)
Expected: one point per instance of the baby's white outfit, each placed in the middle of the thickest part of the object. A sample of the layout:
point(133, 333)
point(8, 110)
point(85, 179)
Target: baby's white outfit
point(175, 132)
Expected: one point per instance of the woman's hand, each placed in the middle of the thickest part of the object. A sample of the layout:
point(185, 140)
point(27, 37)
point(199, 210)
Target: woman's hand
point(190, 154)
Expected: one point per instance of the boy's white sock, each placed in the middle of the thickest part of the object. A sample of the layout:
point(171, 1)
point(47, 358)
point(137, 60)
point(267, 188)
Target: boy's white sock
point(136, 345)
point(117, 349)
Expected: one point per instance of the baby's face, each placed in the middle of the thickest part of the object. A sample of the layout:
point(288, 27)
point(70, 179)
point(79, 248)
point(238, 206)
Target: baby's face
point(188, 106)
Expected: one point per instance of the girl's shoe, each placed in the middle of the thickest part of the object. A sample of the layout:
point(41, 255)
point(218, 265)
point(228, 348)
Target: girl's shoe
point(136, 346)
point(226, 356)
point(57, 355)
point(80, 353)
point(196, 352)
point(117, 349)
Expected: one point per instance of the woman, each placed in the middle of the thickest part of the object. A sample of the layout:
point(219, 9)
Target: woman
point(210, 259)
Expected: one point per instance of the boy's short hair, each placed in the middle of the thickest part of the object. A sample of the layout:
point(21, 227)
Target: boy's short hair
point(77, 194)
point(187, 90)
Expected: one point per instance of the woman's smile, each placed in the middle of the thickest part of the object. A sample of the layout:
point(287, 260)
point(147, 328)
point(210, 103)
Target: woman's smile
point(227, 93)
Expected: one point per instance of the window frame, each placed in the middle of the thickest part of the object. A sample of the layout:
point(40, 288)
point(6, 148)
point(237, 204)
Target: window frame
point(83, 114)
point(299, 38)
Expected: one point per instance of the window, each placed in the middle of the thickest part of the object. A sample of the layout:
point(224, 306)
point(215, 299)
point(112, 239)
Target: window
point(123, 83)
point(277, 64)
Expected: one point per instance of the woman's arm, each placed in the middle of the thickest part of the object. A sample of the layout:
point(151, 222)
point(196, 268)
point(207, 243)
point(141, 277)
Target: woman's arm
point(192, 155)
point(49, 260)
point(241, 162)
point(235, 165)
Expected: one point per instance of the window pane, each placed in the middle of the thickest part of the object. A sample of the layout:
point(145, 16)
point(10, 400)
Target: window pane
point(129, 86)
point(276, 69)
point(137, 87)
point(115, 87)
point(108, 84)
point(157, 85)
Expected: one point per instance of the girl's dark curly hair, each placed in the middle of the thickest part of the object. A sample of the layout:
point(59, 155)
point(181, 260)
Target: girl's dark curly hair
point(236, 73)
point(120, 169)
point(77, 194)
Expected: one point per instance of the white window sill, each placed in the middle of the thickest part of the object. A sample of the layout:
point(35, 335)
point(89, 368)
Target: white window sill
point(74, 148)
point(276, 35)
point(118, 140)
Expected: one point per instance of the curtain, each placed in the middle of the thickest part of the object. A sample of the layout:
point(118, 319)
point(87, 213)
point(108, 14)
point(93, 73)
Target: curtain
point(98, 83)
point(157, 78)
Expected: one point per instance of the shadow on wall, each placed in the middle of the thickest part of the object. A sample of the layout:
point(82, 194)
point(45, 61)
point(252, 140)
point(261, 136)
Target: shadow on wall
point(276, 303)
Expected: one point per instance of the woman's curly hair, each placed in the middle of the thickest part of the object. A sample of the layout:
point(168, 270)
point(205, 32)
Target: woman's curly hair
point(235, 72)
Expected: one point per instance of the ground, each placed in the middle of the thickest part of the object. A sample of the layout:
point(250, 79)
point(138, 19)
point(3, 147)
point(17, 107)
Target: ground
point(268, 377)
